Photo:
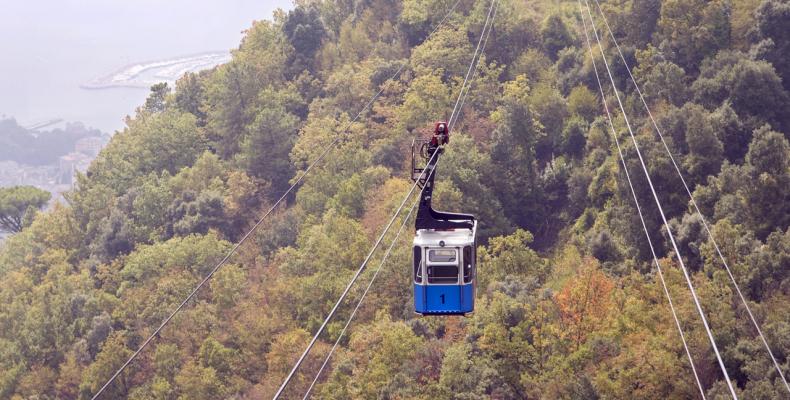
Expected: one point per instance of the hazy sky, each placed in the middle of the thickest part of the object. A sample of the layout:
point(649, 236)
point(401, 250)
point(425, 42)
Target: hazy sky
point(49, 48)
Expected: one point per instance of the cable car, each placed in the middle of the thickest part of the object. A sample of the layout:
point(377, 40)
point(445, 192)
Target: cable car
point(444, 269)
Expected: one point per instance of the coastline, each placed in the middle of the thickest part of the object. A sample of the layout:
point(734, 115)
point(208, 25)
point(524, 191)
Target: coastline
point(142, 75)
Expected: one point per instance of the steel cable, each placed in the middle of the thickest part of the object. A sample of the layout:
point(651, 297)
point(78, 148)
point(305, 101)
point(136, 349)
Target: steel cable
point(472, 65)
point(639, 209)
point(361, 268)
point(260, 221)
point(451, 124)
point(661, 212)
point(361, 299)
point(350, 284)
point(694, 203)
point(386, 254)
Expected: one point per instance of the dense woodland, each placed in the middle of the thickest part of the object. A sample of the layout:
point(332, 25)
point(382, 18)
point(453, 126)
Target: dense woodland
point(569, 304)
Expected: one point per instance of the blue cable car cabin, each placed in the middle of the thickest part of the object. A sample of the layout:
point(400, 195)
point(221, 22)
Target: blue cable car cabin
point(444, 271)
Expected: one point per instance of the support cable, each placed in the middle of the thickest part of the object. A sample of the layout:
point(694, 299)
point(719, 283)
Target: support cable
point(260, 221)
point(223, 261)
point(472, 65)
point(694, 203)
point(451, 124)
point(362, 298)
point(405, 220)
point(639, 209)
point(361, 268)
point(661, 212)
point(348, 287)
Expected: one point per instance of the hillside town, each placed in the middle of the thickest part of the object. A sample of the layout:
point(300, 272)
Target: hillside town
point(56, 177)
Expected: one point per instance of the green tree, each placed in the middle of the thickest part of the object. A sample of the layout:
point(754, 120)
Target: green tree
point(533, 64)
point(18, 205)
point(156, 101)
point(189, 96)
point(197, 382)
point(582, 102)
point(196, 253)
point(643, 21)
point(227, 286)
point(769, 157)
point(773, 16)
point(731, 132)
point(213, 354)
point(510, 257)
point(166, 141)
point(753, 89)
point(514, 153)
point(113, 354)
point(603, 246)
point(463, 376)
point(167, 359)
point(691, 30)
point(551, 110)
point(574, 137)
point(661, 79)
point(417, 18)
point(555, 34)
point(705, 149)
point(427, 95)
point(468, 169)
point(270, 137)
point(304, 30)
point(391, 344)
point(232, 90)
point(766, 271)
point(448, 50)
point(115, 235)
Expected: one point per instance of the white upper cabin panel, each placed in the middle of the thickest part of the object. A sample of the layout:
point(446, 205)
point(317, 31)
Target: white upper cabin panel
point(454, 238)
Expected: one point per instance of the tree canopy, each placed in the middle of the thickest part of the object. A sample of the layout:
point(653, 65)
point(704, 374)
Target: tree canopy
point(569, 303)
point(18, 205)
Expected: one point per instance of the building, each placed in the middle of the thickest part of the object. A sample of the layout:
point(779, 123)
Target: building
point(70, 164)
point(90, 146)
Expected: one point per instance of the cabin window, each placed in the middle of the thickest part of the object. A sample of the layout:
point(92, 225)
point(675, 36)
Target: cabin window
point(442, 255)
point(442, 274)
point(468, 264)
point(438, 273)
point(417, 264)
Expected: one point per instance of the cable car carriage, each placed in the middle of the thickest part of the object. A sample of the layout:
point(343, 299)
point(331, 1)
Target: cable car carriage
point(444, 269)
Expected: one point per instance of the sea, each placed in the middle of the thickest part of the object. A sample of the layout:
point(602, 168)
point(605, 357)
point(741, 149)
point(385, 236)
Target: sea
point(92, 61)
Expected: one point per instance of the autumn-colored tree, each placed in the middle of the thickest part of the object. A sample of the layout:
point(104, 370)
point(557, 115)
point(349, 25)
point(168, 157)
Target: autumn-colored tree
point(584, 302)
point(568, 303)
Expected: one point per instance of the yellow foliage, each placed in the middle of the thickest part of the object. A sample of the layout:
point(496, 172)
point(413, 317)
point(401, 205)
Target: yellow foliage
point(585, 302)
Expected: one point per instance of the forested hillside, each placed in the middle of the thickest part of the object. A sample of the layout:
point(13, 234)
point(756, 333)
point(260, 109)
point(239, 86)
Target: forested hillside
point(569, 302)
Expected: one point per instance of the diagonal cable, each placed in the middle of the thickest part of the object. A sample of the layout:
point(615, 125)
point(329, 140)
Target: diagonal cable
point(362, 267)
point(694, 203)
point(351, 283)
point(639, 209)
point(227, 257)
point(259, 222)
point(472, 66)
point(361, 299)
point(451, 124)
point(661, 212)
point(465, 93)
